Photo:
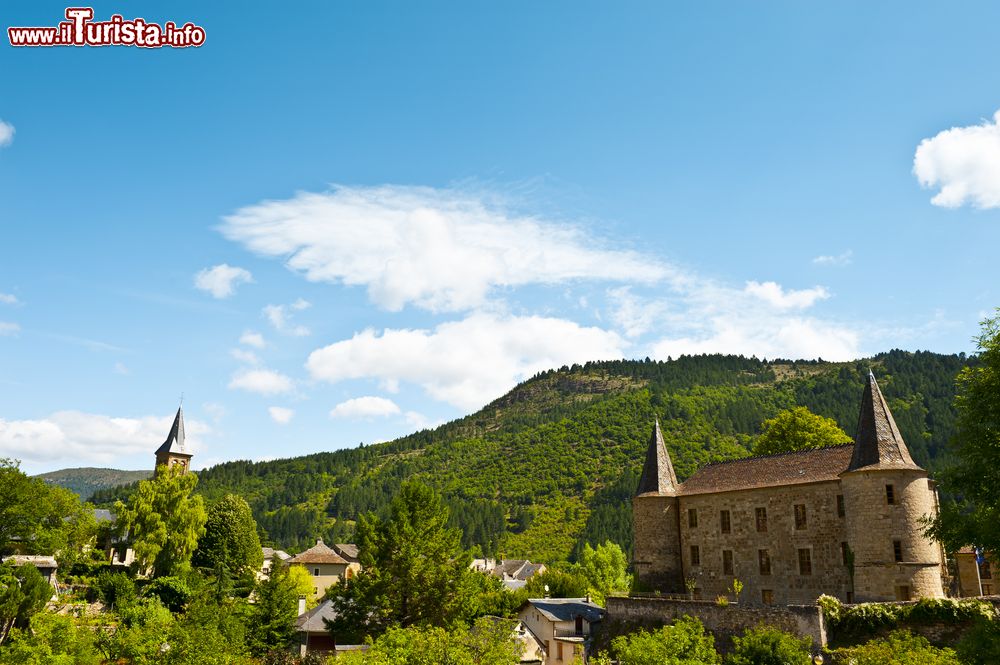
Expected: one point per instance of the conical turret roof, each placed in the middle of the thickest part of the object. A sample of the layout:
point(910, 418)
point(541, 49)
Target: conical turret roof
point(175, 443)
point(878, 443)
point(658, 472)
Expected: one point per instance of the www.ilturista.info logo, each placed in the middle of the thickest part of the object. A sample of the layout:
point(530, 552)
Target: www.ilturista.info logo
point(81, 30)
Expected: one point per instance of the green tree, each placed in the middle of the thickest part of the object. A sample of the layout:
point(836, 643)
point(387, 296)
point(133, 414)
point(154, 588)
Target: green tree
point(164, 521)
point(975, 475)
point(51, 640)
point(769, 646)
point(900, 647)
point(556, 583)
point(23, 593)
point(683, 643)
point(230, 538)
point(981, 644)
point(487, 642)
point(414, 570)
point(272, 619)
point(798, 429)
point(605, 568)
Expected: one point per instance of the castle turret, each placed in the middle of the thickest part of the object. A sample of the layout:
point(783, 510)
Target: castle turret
point(174, 453)
point(886, 497)
point(655, 516)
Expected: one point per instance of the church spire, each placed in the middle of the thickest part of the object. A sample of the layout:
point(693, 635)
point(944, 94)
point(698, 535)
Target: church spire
point(658, 472)
point(878, 442)
point(173, 452)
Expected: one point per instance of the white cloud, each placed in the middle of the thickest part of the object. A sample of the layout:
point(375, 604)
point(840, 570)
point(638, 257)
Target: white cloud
point(261, 381)
point(244, 356)
point(635, 316)
point(964, 162)
point(8, 329)
point(221, 280)
point(365, 407)
point(8, 299)
point(468, 362)
point(439, 249)
point(214, 409)
point(280, 414)
point(121, 368)
point(73, 438)
point(6, 133)
point(774, 295)
point(280, 318)
point(842, 259)
point(252, 338)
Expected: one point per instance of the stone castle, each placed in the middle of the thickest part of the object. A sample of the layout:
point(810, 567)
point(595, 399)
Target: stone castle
point(844, 521)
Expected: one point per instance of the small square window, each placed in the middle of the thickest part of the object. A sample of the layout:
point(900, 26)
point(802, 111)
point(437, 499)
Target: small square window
point(764, 562)
point(840, 506)
point(850, 596)
point(985, 571)
point(897, 550)
point(767, 596)
point(761, 520)
point(987, 589)
point(315, 572)
point(890, 495)
point(800, 516)
point(724, 524)
point(692, 517)
point(695, 556)
point(805, 561)
point(903, 592)
point(727, 562)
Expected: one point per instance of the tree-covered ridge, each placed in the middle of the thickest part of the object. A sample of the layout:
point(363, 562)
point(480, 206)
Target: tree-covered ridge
point(553, 464)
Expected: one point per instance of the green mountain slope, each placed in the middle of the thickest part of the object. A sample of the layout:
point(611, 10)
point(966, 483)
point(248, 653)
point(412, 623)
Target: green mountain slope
point(554, 463)
point(87, 480)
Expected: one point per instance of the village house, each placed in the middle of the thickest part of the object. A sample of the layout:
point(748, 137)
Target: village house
point(977, 573)
point(325, 565)
point(844, 521)
point(46, 565)
point(514, 573)
point(562, 626)
point(272, 558)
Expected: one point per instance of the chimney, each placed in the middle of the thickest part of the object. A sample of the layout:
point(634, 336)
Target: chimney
point(302, 605)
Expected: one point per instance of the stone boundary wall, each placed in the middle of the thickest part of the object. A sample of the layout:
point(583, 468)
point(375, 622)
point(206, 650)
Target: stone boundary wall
point(625, 615)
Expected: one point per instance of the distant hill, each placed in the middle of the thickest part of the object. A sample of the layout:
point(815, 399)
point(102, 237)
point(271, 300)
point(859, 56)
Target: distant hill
point(87, 480)
point(554, 463)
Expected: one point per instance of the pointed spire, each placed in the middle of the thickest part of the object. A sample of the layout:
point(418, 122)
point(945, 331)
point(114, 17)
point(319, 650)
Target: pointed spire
point(658, 472)
point(878, 442)
point(175, 440)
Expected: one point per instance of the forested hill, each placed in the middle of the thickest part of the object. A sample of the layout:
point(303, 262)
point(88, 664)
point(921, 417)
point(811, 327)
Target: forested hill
point(554, 463)
point(87, 480)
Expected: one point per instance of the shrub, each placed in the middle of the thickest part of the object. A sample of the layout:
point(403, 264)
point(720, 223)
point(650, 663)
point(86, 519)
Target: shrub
point(769, 646)
point(115, 589)
point(981, 645)
point(173, 592)
point(684, 643)
point(899, 648)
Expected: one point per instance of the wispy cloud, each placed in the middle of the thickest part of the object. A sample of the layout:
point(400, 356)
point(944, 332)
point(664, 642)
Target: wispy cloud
point(8, 329)
point(244, 356)
point(279, 316)
point(261, 381)
point(964, 162)
point(221, 280)
point(252, 338)
point(438, 249)
point(281, 414)
point(842, 259)
point(9, 299)
point(775, 295)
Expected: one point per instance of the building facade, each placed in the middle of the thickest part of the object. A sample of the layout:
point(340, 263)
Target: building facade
point(844, 521)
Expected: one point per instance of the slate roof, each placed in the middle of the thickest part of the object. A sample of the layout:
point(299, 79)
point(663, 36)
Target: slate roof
point(347, 550)
point(103, 515)
point(567, 609)
point(312, 621)
point(175, 443)
point(878, 443)
point(318, 553)
point(658, 475)
point(36, 560)
point(794, 468)
point(271, 553)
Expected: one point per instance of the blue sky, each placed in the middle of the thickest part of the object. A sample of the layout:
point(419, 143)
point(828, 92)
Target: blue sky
point(343, 222)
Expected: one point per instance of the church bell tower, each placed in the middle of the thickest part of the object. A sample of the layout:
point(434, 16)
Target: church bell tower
point(173, 454)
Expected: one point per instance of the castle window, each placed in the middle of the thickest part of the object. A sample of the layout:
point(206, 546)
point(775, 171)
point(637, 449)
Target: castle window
point(767, 596)
point(764, 561)
point(695, 556)
point(762, 520)
point(903, 592)
point(692, 517)
point(727, 562)
point(800, 516)
point(890, 495)
point(897, 550)
point(724, 525)
point(844, 553)
point(985, 571)
point(987, 589)
point(840, 506)
point(850, 596)
point(805, 561)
